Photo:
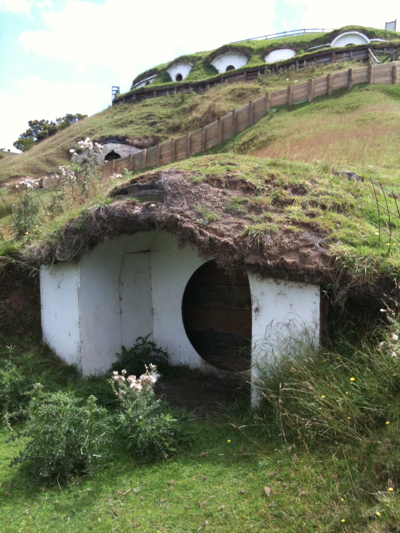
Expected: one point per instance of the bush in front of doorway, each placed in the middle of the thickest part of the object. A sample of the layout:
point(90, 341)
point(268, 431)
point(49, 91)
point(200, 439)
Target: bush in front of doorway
point(64, 435)
point(143, 352)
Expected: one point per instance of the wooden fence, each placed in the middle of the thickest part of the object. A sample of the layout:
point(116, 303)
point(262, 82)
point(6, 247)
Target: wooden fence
point(318, 58)
point(240, 119)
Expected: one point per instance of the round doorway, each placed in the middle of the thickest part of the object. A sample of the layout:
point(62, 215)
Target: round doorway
point(216, 313)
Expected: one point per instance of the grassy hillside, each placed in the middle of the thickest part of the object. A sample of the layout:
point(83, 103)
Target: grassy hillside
point(357, 129)
point(154, 120)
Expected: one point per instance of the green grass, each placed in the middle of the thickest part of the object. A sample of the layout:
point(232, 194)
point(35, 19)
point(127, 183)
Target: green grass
point(310, 488)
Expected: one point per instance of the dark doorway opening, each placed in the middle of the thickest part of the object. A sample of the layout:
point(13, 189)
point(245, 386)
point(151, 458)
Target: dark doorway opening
point(216, 313)
point(178, 77)
point(229, 67)
point(111, 156)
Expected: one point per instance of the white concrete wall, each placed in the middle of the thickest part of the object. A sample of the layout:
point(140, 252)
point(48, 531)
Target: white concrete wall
point(282, 310)
point(100, 308)
point(171, 269)
point(144, 82)
point(122, 149)
point(179, 68)
point(59, 295)
point(134, 285)
point(349, 37)
point(135, 291)
point(279, 55)
point(230, 58)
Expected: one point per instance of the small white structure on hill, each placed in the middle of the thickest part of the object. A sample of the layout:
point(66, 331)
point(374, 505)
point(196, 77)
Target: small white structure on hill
point(229, 61)
point(179, 71)
point(279, 55)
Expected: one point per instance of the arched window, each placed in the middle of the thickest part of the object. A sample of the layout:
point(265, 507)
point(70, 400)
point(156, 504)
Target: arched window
point(229, 67)
point(111, 156)
point(216, 314)
point(178, 77)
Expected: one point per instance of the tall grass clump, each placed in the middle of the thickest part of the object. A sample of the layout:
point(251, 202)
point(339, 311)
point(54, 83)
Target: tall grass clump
point(343, 396)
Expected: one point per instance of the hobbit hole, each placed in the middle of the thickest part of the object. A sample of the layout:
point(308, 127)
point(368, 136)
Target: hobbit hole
point(179, 77)
point(217, 317)
point(230, 67)
point(111, 156)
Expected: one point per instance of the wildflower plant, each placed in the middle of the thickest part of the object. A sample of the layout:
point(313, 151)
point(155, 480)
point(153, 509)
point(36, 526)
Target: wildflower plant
point(80, 178)
point(25, 210)
point(147, 424)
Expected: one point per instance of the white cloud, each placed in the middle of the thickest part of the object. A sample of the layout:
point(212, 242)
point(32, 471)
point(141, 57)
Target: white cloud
point(16, 6)
point(129, 37)
point(34, 98)
point(317, 14)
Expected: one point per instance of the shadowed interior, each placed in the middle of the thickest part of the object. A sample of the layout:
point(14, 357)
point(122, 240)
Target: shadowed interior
point(216, 312)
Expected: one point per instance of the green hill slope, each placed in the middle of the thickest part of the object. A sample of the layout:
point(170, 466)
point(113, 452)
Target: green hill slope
point(152, 121)
point(356, 129)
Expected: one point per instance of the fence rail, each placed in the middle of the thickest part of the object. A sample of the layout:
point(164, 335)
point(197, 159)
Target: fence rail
point(319, 58)
point(290, 33)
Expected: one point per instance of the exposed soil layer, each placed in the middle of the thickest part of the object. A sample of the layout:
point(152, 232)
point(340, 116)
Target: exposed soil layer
point(207, 214)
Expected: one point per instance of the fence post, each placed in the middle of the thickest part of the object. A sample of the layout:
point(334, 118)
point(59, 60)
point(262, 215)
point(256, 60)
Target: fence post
point(187, 144)
point(219, 130)
point(267, 102)
point(333, 57)
point(290, 95)
point(310, 90)
point(113, 166)
point(154, 94)
point(233, 122)
point(350, 79)
point(251, 114)
point(329, 83)
point(245, 75)
point(297, 64)
point(144, 158)
point(158, 155)
point(203, 139)
point(394, 74)
point(173, 155)
point(130, 162)
point(371, 74)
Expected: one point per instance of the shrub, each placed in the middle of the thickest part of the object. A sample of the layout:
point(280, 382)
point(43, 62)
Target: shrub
point(340, 396)
point(65, 435)
point(150, 428)
point(12, 387)
point(144, 352)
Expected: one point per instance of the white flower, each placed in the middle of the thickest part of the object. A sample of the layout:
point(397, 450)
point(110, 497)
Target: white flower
point(123, 372)
point(393, 354)
point(136, 385)
point(72, 151)
point(382, 343)
point(115, 373)
point(131, 379)
point(383, 311)
point(395, 337)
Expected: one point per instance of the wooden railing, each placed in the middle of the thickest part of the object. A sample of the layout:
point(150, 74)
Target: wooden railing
point(318, 58)
point(281, 34)
point(240, 119)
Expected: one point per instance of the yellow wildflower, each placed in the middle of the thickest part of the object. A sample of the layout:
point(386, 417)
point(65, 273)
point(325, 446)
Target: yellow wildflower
point(352, 379)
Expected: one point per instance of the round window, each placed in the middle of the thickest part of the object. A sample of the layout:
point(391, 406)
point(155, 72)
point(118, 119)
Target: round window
point(216, 313)
point(229, 67)
point(178, 77)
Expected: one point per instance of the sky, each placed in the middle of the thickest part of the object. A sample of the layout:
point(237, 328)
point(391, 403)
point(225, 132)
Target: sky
point(63, 56)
